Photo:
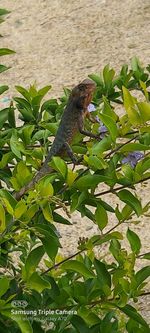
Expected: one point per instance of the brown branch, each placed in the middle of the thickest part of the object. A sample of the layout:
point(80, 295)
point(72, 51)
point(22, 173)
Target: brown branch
point(120, 187)
point(61, 262)
point(122, 145)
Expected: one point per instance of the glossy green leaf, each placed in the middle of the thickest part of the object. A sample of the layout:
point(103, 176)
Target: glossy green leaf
point(24, 93)
point(131, 200)
point(144, 109)
point(142, 275)
point(131, 312)
point(26, 134)
point(4, 285)
point(44, 91)
point(102, 273)
point(60, 219)
point(33, 260)
point(37, 283)
point(110, 124)
point(49, 240)
point(89, 181)
point(20, 209)
point(2, 218)
point(3, 89)
point(133, 147)
point(16, 145)
point(3, 68)
point(79, 324)
point(3, 117)
point(47, 212)
point(6, 159)
point(77, 267)
point(134, 241)
point(60, 165)
point(4, 11)
point(101, 217)
point(4, 51)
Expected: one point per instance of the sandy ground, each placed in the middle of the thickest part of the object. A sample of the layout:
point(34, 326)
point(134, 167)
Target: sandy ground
point(60, 42)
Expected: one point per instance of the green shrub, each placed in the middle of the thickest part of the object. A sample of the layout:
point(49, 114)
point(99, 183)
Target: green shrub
point(85, 292)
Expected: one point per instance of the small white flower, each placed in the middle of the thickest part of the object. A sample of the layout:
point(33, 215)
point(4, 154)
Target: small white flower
point(91, 107)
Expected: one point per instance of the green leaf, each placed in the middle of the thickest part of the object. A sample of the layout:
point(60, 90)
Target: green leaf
point(96, 162)
point(77, 267)
point(133, 147)
point(3, 68)
point(24, 93)
point(102, 273)
point(44, 90)
point(26, 115)
point(49, 239)
point(4, 285)
point(144, 109)
point(129, 104)
point(11, 116)
point(26, 134)
point(33, 260)
point(134, 241)
point(60, 219)
point(96, 78)
point(110, 124)
point(20, 209)
point(3, 89)
point(79, 324)
point(131, 312)
point(2, 219)
point(20, 319)
point(37, 283)
point(3, 116)
point(16, 145)
point(5, 194)
point(4, 11)
point(142, 275)
point(47, 212)
point(71, 176)
point(146, 256)
point(101, 146)
point(6, 159)
point(4, 51)
point(90, 181)
point(101, 217)
point(131, 200)
point(60, 165)
point(108, 109)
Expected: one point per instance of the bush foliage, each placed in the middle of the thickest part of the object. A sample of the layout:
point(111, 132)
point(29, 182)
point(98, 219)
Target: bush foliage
point(85, 292)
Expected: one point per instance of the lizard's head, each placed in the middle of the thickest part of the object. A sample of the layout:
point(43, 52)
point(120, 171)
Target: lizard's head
point(82, 94)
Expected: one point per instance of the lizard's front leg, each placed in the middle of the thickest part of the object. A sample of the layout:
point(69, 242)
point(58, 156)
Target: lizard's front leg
point(82, 131)
point(70, 153)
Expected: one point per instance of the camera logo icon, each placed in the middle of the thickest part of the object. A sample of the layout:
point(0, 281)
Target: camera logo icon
point(19, 303)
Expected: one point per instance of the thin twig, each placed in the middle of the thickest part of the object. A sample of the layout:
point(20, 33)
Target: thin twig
point(122, 145)
point(120, 187)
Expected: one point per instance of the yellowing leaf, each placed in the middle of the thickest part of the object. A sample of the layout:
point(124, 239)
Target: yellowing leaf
point(71, 176)
point(47, 190)
point(47, 212)
point(144, 109)
point(8, 206)
point(20, 209)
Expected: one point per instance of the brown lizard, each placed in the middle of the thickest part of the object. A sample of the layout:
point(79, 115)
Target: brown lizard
point(71, 122)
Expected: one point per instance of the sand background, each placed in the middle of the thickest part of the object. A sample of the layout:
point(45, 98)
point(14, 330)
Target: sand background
point(60, 42)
